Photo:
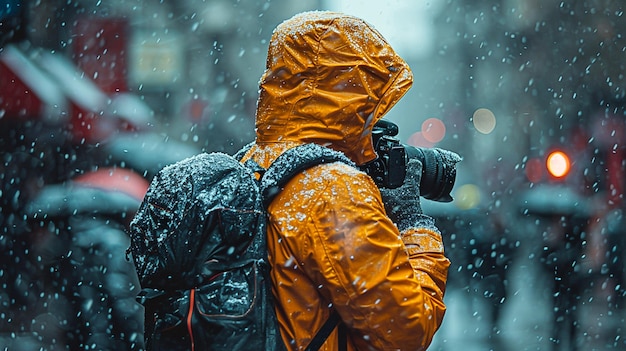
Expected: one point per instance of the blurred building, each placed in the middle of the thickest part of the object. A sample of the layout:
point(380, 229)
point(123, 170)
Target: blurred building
point(195, 64)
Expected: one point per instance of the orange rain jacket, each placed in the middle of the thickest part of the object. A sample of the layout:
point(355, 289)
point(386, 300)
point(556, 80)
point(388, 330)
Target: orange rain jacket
point(329, 78)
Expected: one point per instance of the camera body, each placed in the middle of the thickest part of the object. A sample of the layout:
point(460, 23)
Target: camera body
point(389, 169)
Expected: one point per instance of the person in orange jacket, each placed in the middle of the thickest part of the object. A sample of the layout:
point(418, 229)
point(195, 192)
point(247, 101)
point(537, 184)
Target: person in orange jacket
point(335, 241)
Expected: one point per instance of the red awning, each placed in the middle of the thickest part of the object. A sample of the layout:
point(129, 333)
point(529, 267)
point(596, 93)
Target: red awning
point(41, 84)
point(26, 91)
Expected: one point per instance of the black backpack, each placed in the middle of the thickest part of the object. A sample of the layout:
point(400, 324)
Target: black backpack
point(198, 242)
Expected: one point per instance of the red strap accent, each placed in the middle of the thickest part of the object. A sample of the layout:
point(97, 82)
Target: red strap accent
point(192, 297)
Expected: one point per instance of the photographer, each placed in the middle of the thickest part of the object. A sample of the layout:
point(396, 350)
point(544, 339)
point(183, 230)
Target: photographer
point(336, 242)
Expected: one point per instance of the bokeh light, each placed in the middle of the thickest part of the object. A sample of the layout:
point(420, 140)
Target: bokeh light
point(433, 130)
point(467, 197)
point(484, 120)
point(558, 164)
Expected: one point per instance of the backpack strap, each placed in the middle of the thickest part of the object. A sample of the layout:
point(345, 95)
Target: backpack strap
point(285, 167)
point(333, 320)
point(294, 161)
point(242, 152)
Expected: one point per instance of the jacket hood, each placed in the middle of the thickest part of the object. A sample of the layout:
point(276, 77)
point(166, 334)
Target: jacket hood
point(329, 78)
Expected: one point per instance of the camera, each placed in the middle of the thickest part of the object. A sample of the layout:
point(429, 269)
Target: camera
point(389, 169)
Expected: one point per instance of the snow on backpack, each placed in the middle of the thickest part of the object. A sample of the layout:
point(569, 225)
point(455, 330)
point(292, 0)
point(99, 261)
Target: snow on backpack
point(198, 242)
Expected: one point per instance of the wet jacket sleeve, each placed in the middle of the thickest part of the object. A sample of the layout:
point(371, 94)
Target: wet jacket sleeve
point(387, 287)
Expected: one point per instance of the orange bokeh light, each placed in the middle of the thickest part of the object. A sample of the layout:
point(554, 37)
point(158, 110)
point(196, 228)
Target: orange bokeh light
point(433, 130)
point(558, 164)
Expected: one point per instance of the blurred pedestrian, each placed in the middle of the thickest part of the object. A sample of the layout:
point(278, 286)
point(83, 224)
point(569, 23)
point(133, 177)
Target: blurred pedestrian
point(562, 218)
point(492, 250)
point(561, 258)
point(87, 286)
point(31, 155)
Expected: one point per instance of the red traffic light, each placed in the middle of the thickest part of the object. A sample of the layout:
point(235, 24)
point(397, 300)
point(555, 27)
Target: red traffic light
point(558, 164)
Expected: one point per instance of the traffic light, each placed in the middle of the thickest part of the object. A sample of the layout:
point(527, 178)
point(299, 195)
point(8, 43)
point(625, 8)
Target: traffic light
point(558, 164)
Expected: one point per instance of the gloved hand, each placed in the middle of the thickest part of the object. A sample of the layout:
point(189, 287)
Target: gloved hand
point(403, 203)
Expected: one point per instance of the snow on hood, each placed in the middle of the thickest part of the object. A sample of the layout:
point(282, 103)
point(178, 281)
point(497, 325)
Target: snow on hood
point(329, 78)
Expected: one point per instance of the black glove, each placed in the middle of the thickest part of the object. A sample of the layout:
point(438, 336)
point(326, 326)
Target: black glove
point(403, 203)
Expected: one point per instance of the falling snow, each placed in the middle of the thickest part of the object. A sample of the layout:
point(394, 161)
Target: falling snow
point(141, 86)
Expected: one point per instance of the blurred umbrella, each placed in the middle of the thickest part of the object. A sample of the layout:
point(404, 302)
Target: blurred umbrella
point(147, 153)
point(116, 179)
point(107, 191)
point(553, 200)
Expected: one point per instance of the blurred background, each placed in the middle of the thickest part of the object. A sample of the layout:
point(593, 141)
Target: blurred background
point(100, 95)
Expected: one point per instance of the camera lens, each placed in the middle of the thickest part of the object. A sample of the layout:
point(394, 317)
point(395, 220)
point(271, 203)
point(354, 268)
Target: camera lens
point(438, 173)
point(389, 169)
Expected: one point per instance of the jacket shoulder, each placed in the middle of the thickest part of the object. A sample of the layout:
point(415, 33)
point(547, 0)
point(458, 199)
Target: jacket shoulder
point(335, 179)
point(331, 170)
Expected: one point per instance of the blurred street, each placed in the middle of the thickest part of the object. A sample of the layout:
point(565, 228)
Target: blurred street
point(526, 320)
